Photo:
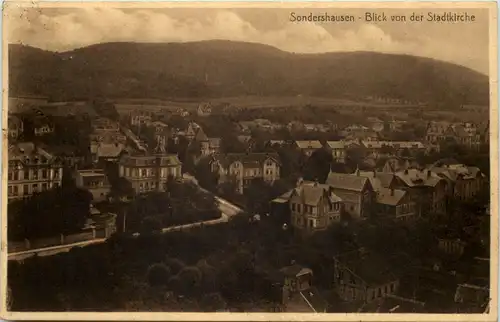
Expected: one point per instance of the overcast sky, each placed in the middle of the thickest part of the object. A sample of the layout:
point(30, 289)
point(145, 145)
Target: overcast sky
point(63, 29)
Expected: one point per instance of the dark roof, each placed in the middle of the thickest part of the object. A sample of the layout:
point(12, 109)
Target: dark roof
point(346, 181)
point(311, 193)
point(390, 197)
point(370, 267)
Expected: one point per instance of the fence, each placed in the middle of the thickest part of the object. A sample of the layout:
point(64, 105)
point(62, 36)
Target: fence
point(20, 246)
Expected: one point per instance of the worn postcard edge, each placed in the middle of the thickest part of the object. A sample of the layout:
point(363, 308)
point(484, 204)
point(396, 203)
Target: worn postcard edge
point(183, 316)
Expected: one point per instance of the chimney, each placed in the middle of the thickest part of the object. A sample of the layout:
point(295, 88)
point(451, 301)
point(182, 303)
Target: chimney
point(374, 173)
point(406, 171)
point(299, 181)
point(316, 181)
point(392, 192)
point(428, 173)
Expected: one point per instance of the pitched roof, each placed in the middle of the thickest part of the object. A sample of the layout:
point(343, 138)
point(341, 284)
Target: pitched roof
point(414, 177)
point(391, 197)
point(378, 179)
point(346, 181)
point(311, 193)
point(22, 150)
point(295, 270)
point(372, 268)
point(336, 144)
point(107, 150)
point(309, 144)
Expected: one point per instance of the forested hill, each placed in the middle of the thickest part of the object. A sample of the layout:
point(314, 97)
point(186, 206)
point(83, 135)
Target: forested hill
point(225, 68)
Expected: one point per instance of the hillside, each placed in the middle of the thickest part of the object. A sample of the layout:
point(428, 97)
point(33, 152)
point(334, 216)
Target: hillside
point(224, 68)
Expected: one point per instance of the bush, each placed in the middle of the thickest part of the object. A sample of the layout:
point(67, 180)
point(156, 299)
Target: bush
point(174, 264)
point(158, 275)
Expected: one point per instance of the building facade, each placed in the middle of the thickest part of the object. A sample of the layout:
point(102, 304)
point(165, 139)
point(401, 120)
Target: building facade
point(94, 181)
point(245, 167)
point(314, 207)
point(363, 276)
point(31, 169)
point(356, 192)
point(149, 172)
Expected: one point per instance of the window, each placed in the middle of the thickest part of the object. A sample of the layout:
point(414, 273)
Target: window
point(26, 175)
point(392, 288)
point(16, 190)
point(16, 174)
point(293, 207)
point(379, 292)
point(10, 190)
point(25, 189)
point(44, 186)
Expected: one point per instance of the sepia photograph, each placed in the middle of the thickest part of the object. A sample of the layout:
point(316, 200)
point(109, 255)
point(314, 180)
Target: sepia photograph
point(249, 160)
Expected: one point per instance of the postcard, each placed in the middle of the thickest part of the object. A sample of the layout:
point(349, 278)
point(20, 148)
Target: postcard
point(250, 161)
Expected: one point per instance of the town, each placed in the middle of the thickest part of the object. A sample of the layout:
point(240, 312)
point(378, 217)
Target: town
point(149, 205)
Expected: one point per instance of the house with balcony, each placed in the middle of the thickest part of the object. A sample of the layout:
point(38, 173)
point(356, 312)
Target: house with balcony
point(245, 167)
point(31, 169)
point(427, 189)
point(392, 203)
point(355, 191)
point(314, 207)
point(338, 149)
point(464, 182)
point(147, 172)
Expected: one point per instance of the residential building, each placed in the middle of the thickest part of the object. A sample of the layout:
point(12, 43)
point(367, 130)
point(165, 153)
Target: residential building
point(396, 125)
point(395, 204)
point(291, 289)
point(452, 246)
point(355, 191)
point(438, 132)
point(42, 125)
point(101, 151)
point(295, 126)
point(15, 127)
point(149, 172)
point(338, 150)
point(140, 117)
point(427, 189)
point(392, 203)
point(204, 109)
point(363, 276)
point(314, 207)
point(387, 148)
point(192, 130)
point(95, 181)
point(208, 145)
point(308, 147)
point(396, 164)
point(376, 124)
point(465, 182)
point(245, 167)
point(484, 132)
point(467, 134)
point(31, 169)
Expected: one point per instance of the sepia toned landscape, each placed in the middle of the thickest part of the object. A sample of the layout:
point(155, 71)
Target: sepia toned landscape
point(156, 168)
